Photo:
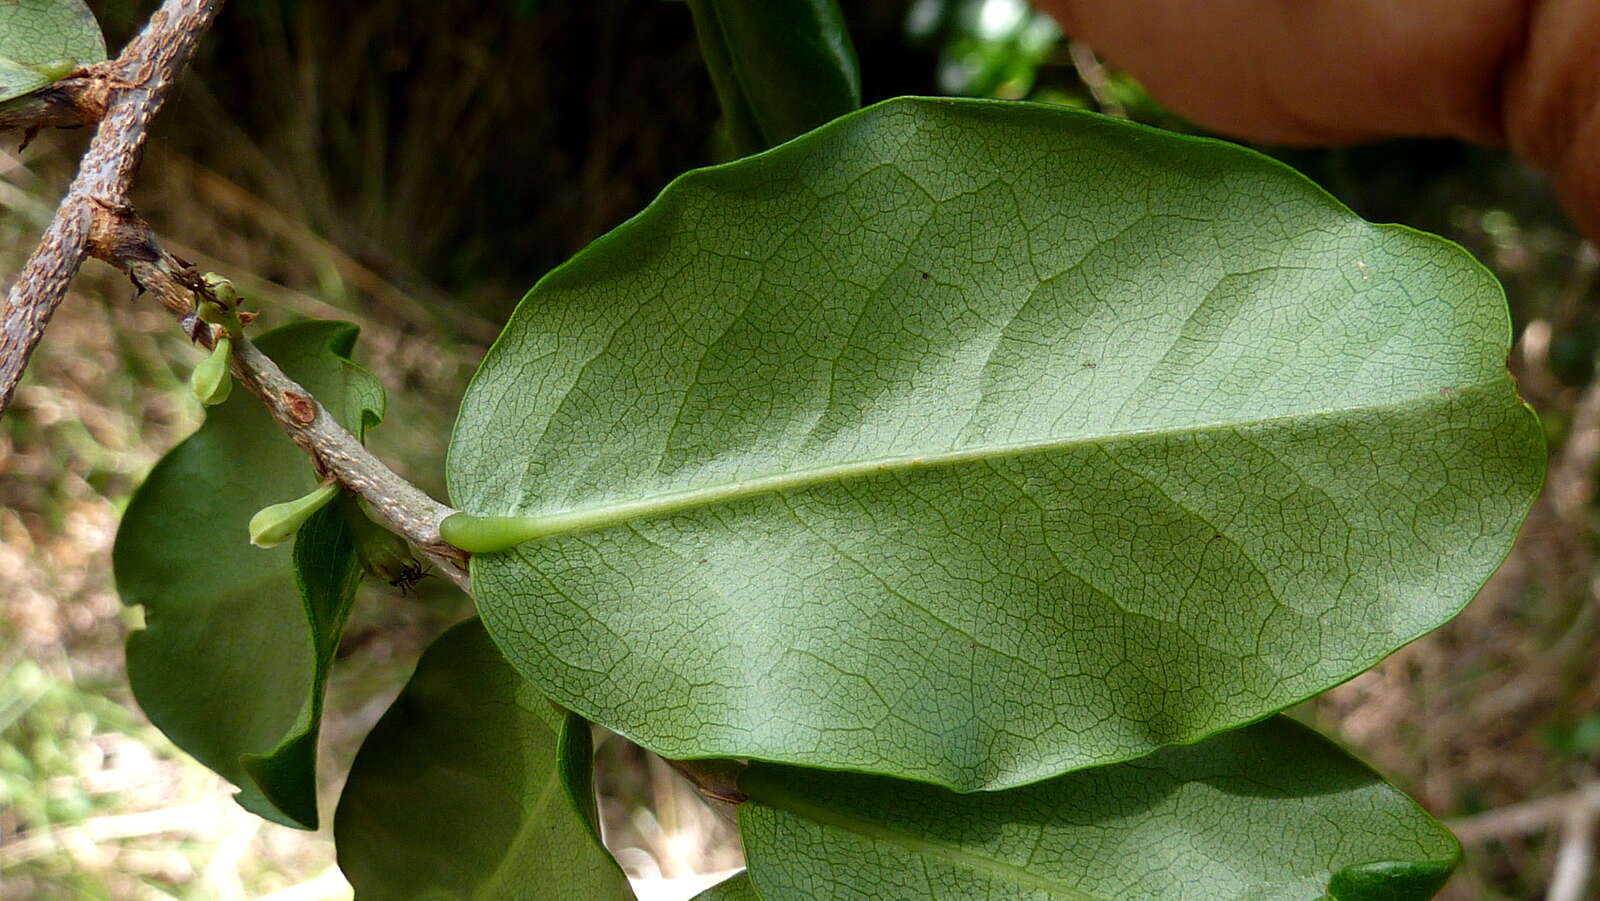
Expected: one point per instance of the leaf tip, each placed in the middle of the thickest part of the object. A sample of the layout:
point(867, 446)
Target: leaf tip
point(1390, 880)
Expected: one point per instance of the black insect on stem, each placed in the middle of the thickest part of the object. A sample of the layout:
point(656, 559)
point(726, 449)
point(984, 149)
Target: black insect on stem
point(408, 577)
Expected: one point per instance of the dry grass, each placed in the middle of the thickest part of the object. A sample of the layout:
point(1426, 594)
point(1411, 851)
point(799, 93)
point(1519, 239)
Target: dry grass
point(94, 802)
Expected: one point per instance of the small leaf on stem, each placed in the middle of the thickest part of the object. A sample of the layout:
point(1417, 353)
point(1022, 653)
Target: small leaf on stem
point(272, 526)
point(211, 382)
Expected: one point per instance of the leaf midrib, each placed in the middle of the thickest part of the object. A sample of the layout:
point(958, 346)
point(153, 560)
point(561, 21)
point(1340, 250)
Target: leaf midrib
point(533, 818)
point(587, 519)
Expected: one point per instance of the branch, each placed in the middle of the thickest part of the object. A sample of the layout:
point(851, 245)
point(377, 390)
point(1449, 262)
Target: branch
point(140, 80)
point(405, 509)
point(95, 219)
point(1093, 75)
point(121, 238)
point(77, 100)
point(1575, 860)
point(118, 236)
point(1526, 818)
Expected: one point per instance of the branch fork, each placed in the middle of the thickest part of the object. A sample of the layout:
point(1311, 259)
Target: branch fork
point(120, 237)
point(95, 219)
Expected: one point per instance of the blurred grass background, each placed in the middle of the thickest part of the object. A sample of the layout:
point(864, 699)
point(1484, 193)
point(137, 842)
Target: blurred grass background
point(414, 168)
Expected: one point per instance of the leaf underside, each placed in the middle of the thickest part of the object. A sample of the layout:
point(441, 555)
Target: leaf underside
point(43, 40)
point(471, 786)
point(1268, 812)
point(238, 639)
point(974, 443)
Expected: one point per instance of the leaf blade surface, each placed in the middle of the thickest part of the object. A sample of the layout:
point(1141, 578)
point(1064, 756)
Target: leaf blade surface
point(1271, 811)
point(238, 639)
point(1019, 440)
point(471, 786)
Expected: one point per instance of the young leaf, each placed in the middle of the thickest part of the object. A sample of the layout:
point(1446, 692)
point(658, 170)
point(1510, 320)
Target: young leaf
point(1271, 811)
point(211, 382)
point(474, 786)
point(976, 442)
point(238, 639)
point(43, 40)
point(275, 524)
point(780, 67)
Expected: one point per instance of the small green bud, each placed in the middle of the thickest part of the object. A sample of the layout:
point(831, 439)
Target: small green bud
point(272, 526)
point(222, 308)
point(211, 382)
point(211, 311)
point(221, 288)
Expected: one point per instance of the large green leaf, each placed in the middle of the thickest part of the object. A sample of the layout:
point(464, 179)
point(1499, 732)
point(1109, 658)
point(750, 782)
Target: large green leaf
point(1268, 812)
point(471, 786)
point(43, 40)
point(238, 639)
point(974, 442)
point(780, 67)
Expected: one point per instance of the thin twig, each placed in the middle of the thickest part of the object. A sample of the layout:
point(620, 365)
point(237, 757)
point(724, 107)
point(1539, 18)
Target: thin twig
point(119, 237)
point(195, 820)
point(406, 509)
point(77, 100)
point(1094, 77)
point(96, 219)
point(1575, 860)
point(1525, 818)
point(140, 78)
